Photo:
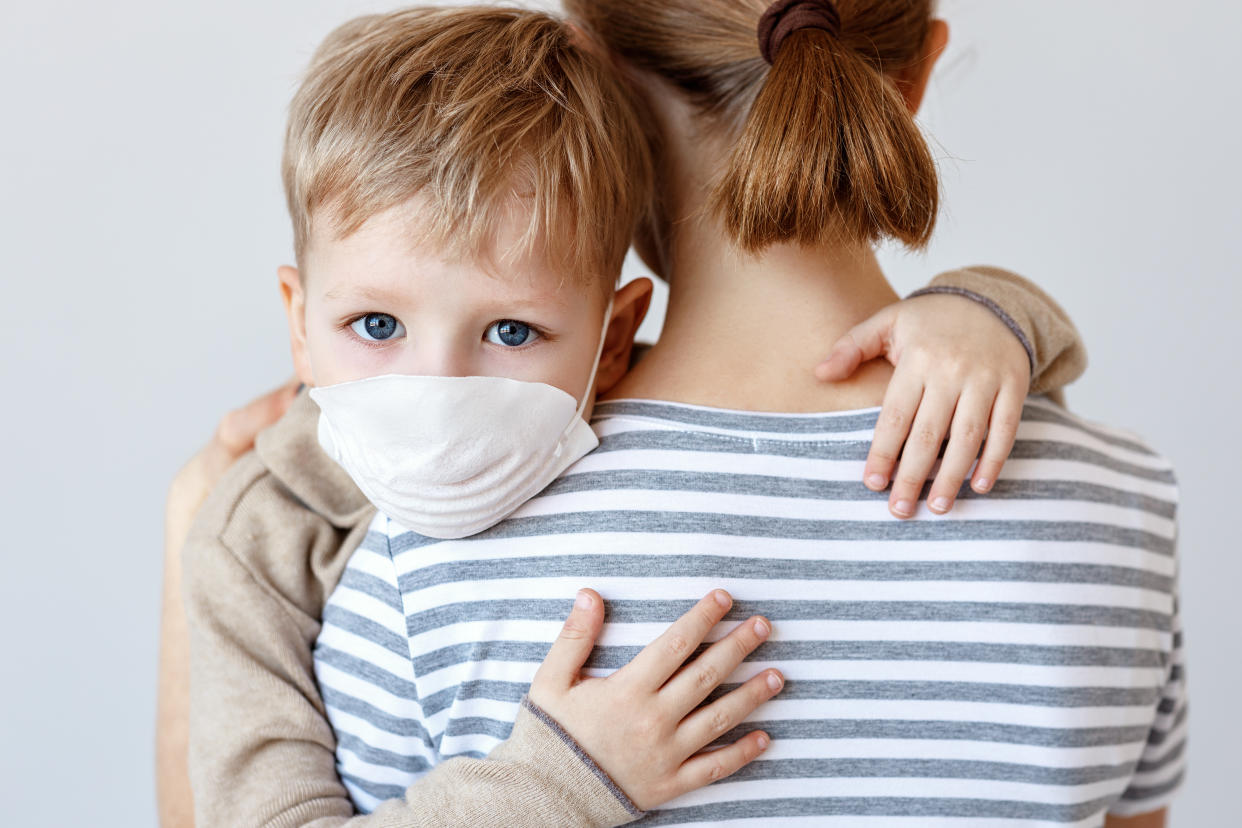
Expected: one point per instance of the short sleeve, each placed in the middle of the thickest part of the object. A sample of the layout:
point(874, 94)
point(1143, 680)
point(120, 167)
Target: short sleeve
point(1162, 765)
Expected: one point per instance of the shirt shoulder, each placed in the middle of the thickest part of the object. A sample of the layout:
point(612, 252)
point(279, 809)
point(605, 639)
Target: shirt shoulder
point(1050, 431)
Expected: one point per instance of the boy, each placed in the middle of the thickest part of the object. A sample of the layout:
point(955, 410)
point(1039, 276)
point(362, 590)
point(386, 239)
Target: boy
point(461, 207)
point(463, 186)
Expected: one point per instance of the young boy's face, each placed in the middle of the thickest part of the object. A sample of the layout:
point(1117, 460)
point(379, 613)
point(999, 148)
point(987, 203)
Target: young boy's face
point(378, 302)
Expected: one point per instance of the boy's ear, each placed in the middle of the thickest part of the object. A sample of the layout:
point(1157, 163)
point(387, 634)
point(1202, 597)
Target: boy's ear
point(295, 309)
point(629, 308)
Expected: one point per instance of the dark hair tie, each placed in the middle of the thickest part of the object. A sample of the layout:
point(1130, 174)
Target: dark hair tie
point(784, 17)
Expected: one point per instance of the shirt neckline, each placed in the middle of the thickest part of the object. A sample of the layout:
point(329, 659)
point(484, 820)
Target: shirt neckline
point(772, 424)
point(742, 412)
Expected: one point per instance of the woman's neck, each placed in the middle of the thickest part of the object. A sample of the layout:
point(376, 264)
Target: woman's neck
point(742, 331)
point(745, 332)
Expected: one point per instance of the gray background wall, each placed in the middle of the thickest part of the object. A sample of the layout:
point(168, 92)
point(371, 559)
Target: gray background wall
point(1090, 144)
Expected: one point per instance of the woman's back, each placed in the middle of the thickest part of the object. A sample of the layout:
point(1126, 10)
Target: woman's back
point(1019, 659)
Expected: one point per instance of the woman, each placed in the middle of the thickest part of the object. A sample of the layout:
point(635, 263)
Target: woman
point(800, 152)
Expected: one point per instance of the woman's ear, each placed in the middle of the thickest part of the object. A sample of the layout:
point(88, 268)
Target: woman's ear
point(912, 81)
point(294, 295)
point(629, 308)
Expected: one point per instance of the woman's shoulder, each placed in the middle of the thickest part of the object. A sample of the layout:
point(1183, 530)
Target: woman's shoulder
point(1043, 421)
point(1060, 461)
point(1050, 430)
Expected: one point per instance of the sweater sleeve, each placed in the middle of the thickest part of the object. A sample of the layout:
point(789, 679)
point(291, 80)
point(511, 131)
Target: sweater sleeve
point(539, 776)
point(262, 750)
point(1052, 343)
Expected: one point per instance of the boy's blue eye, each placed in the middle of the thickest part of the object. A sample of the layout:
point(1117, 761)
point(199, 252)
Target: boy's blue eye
point(377, 327)
point(511, 333)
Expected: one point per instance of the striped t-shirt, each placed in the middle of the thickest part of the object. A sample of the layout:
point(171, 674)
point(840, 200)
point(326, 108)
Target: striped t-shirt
point(1017, 661)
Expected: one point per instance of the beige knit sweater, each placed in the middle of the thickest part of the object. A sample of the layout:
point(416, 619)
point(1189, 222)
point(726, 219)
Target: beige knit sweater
point(267, 549)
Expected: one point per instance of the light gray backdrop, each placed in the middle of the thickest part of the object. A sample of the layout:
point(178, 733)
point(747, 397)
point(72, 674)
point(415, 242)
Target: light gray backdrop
point(1090, 144)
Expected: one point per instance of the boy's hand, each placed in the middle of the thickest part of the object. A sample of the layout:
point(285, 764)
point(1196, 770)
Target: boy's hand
point(643, 724)
point(960, 372)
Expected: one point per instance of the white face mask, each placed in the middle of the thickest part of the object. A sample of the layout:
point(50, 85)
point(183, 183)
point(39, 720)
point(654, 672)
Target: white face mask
point(449, 457)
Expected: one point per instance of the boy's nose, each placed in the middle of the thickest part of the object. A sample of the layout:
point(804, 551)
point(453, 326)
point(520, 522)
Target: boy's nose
point(438, 361)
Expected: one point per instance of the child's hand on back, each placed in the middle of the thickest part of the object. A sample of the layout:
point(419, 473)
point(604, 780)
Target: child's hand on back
point(961, 373)
point(642, 724)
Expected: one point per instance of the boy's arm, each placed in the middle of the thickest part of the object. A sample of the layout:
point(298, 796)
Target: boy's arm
point(1056, 351)
point(534, 778)
point(262, 750)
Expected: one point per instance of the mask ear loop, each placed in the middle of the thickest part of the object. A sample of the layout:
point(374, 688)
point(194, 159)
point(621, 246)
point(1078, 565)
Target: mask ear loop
point(599, 352)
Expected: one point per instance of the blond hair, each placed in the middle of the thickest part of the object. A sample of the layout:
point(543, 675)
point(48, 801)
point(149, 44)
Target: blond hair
point(480, 110)
point(821, 144)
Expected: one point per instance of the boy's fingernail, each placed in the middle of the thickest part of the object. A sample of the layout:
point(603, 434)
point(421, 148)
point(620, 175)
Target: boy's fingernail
point(774, 682)
point(876, 481)
point(763, 742)
point(761, 628)
point(941, 504)
point(584, 600)
point(982, 484)
point(904, 508)
point(722, 598)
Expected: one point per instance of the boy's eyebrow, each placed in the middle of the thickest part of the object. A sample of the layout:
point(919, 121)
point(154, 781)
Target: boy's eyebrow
point(371, 293)
point(367, 292)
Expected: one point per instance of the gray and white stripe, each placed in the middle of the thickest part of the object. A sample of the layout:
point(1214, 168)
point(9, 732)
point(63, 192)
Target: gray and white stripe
point(1017, 661)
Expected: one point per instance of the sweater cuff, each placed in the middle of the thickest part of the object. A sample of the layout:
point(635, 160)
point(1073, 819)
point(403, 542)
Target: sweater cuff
point(1000, 312)
point(569, 741)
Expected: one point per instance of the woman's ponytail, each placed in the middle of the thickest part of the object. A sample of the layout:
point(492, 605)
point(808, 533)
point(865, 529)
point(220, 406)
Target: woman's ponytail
point(828, 152)
point(821, 144)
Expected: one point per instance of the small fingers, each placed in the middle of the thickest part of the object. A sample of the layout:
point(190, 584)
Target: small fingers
point(901, 401)
point(662, 657)
point(1002, 432)
point(866, 341)
point(921, 450)
point(709, 723)
point(571, 648)
point(700, 677)
point(706, 768)
point(842, 361)
point(966, 434)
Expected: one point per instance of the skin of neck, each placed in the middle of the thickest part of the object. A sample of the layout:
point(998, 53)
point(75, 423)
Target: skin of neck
point(745, 331)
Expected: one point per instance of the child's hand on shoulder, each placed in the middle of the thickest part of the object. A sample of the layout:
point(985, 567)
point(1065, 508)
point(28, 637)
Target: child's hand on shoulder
point(960, 373)
point(643, 724)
